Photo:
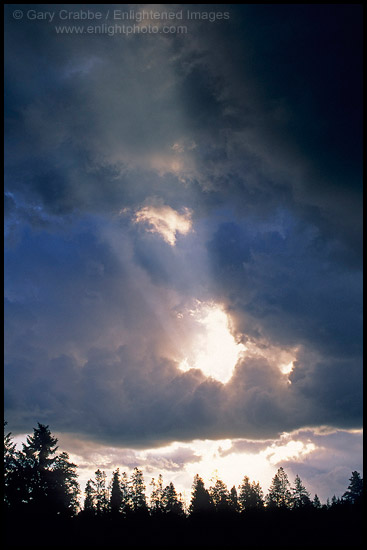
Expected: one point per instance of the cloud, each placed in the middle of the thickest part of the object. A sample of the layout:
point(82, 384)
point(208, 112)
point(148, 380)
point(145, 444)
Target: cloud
point(98, 353)
point(165, 221)
point(254, 160)
point(330, 464)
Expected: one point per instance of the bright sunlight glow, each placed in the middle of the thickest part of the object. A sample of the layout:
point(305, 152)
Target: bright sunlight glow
point(214, 350)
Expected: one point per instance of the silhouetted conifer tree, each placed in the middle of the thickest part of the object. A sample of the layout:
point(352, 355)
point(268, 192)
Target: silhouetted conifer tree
point(49, 480)
point(137, 495)
point(65, 486)
point(156, 497)
point(354, 492)
point(335, 500)
point(126, 494)
point(201, 501)
point(101, 492)
point(220, 496)
point(12, 477)
point(316, 502)
point(234, 499)
point(116, 498)
point(250, 495)
point(279, 495)
point(300, 496)
point(90, 497)
point(171, 503)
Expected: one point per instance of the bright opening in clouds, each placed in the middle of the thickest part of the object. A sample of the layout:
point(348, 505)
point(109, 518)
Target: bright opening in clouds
point(287, 368)
point(165, 221)
point(214, 350)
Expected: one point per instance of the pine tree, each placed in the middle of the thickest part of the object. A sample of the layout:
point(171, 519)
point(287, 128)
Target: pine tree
point(90, 497)
point(250, 495)
point(258, 495)
point(279, 495)
point(201, 501)
point(234, 499)
point(49, 479)
point(126, 494)
point(316, 502)
point(116, 493)
point(101, 495)
point(9, 452)
point(138, 498)
point(156, 498)
point(245, 494)
point(171, 503)
point(354, 493)
point(37, 458)
point(65, 486)
point(220, 495)
point(11, 472)
point(300, 496)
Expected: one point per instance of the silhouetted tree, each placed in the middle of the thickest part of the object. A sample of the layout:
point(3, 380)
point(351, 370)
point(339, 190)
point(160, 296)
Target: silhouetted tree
point(201, 501)
point(171, 503)
point(36, 458)
point(65, 486)
point(258, 495)
point(279, 495)
point(316, 502)
point(156, 497)
point(116, 498)
point(50, 480)
point(11, 474)
point(234, 499)
point(126, 494)
point(245, 497)
point(250, 495)
point(101, 493)
point(90, 497)
point(220, 496)
point(354, 492)
point(9, 452)
point(138, 499)
point(300, 496)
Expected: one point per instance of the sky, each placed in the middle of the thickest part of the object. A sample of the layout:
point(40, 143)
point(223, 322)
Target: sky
point(183, 238)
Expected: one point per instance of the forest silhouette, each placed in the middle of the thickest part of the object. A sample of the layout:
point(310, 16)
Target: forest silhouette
point(43, 506)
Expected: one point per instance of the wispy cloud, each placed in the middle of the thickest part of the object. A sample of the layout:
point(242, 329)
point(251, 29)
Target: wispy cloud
point(165, 221)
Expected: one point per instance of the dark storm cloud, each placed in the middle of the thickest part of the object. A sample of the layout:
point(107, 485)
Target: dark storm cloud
point(286, 286)
point(247, 110)
point(288, 273)
point(292, 80)
point(255, 126)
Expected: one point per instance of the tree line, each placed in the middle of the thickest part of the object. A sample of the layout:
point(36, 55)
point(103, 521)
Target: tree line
point(39, 476)
point(41, 482)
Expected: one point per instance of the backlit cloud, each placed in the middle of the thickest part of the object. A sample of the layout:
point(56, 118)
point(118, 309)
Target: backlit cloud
point(165, 221)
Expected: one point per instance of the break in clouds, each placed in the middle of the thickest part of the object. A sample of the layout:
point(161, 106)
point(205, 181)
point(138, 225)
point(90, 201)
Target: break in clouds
point(147, 175)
